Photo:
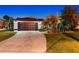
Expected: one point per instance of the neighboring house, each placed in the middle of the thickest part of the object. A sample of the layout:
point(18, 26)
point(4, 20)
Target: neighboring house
point(2, 25)
point(77, 27)
point(27, 24)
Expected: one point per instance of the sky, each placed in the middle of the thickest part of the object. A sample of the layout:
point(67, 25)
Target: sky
point(37, 11)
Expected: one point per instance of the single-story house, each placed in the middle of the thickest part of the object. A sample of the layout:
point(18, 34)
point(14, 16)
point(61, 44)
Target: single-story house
point(27, 24)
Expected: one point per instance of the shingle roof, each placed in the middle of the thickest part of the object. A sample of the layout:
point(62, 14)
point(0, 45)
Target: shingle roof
point(28, 19)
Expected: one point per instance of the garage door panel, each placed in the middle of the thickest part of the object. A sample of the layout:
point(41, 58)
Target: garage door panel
point(27, 26)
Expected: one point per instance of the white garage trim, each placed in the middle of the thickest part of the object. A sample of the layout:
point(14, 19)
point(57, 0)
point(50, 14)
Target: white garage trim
point(38, 22)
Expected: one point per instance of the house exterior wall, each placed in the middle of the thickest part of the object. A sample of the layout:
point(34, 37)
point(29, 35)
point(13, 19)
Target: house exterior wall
point(39, 24)
point(2, 24)
point(16, 24)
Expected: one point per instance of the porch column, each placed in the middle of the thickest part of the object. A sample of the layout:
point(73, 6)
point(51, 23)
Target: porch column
point(15, 25)
point(39, 25)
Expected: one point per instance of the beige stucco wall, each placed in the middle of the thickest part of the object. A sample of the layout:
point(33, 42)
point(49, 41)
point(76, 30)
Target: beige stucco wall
point(16, 24)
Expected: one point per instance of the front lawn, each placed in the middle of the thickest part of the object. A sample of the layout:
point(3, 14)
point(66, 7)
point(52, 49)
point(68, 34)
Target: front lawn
point(6, 34)
point(74, 35)
point(60, 43)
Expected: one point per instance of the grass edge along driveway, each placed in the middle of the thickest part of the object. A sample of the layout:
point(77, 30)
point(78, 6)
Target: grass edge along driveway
point(60, 43)
point(6, 34)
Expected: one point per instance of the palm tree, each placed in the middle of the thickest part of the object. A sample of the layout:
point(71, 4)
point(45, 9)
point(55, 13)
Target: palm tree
point(11, 25)
point(8, 22)
point(6, 19)
point(45, 24)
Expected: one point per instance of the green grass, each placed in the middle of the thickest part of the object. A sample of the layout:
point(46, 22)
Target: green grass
point(60, 43)
point(6, 34)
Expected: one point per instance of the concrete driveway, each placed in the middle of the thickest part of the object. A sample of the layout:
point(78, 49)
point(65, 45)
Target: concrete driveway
point(25, 41)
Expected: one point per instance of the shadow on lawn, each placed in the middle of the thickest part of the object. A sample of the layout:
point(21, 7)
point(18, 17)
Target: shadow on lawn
point(72, 36)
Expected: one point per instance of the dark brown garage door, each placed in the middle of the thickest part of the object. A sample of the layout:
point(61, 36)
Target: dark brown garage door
point(27, 26)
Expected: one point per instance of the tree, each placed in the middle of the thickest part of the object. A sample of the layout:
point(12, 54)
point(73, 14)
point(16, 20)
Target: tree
point(8, 22)
point(69, 14)
point(11, 24)
point(45, 24)
point(6, 19)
